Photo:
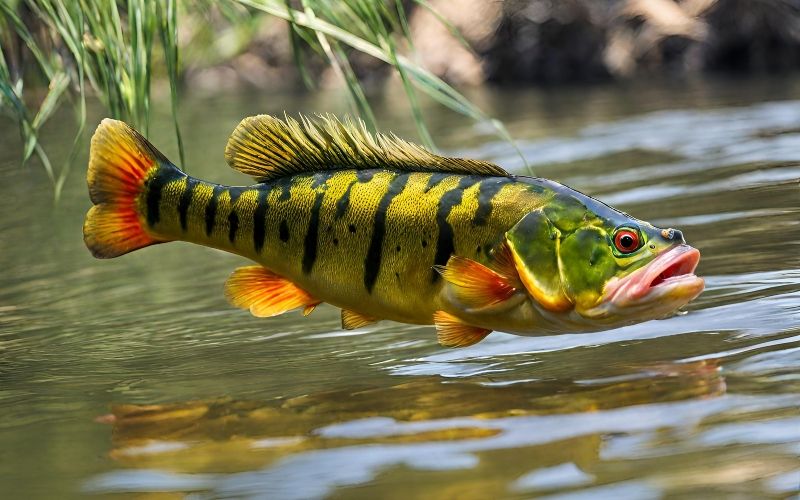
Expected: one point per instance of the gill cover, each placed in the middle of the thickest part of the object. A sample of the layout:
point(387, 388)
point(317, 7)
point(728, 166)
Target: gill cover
point(534, 242)
point(589, 263)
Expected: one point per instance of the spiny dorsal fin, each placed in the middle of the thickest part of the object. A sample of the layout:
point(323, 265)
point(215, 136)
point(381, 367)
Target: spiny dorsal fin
point(267, 147)
point(452, 332)
point(352, 320)
point(265, 293)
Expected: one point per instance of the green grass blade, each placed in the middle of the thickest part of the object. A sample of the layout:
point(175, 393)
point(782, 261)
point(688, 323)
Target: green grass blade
point(109, 45)
point(297, 51)
point(78, 140)
point(58, 85)
point(387, 42)
point(422, 78)
point(454, 32)
point(341, 66)
point(25, 35)
point(167, 13)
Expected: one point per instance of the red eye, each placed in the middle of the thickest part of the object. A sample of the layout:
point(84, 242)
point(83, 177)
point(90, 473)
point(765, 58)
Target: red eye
point(626, 240)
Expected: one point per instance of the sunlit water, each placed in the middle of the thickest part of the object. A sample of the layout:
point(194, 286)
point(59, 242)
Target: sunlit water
point(133, 375)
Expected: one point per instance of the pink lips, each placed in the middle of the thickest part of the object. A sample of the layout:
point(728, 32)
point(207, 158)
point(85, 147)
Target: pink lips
point(673, 266)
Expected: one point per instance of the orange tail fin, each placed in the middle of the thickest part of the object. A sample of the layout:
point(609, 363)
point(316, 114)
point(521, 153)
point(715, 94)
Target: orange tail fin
point(120, 161)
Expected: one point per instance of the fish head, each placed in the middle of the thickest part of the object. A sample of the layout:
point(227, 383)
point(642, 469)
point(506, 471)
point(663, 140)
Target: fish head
point(577, 254)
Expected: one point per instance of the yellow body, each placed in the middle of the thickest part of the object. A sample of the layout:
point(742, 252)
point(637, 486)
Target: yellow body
point(319, 230)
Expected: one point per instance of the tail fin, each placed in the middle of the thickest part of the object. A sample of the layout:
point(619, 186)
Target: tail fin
point(120, 161)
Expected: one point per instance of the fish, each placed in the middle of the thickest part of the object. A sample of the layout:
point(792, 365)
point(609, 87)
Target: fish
point(385, 229)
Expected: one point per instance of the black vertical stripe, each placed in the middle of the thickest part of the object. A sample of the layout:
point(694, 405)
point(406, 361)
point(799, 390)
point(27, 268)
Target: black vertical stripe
point(372, 262)
point(319, 179)
point(344, 200)
point(435, 179)
point(260, 219)
point(155, 186)
point(445, 245)
point(185, 201)
point(362, 176)
point(235, 192)
point(233, 223)
point(365, 176)
point(312, 235)
point(211, 209)
point(233, 217)
point(284, 187)
point(487, 189)
point(283, 231)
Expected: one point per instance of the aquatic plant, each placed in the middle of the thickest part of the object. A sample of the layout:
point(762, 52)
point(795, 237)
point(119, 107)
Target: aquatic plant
point(110, 48)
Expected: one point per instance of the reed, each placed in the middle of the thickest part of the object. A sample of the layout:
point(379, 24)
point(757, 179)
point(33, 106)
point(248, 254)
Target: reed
point(109, 48)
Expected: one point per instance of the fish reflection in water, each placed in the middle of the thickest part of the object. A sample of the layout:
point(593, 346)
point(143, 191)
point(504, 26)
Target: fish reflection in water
point(226, 436)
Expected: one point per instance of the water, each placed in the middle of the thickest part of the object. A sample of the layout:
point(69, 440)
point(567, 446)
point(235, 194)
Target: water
point(133, 375)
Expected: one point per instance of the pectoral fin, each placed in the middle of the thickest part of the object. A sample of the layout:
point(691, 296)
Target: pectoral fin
point(452, 332)
point(265, 293)
point(352, 320)
point(476, 286)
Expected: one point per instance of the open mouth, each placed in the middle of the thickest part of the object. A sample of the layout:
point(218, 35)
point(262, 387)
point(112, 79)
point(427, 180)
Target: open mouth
point(672, 270)
point(677, 266)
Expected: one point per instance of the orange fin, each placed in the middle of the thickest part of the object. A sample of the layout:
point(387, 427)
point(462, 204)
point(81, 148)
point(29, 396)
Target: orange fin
point(475, 285)
point(452, 332)
point(265, 293)
point(503, 263)
point(120, 160)
point(310, 308)
point(352, 320)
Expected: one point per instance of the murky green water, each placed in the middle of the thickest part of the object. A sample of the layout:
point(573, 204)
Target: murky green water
point(195, 396)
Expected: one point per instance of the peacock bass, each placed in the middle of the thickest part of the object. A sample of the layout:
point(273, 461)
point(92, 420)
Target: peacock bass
point(385, 229)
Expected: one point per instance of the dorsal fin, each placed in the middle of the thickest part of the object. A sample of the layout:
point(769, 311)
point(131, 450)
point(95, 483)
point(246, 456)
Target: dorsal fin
point(267, 147)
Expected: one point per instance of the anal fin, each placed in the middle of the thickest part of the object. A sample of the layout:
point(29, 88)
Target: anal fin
point(452, 332)
point(352, 320)
point(308, 309)
point(265, 293)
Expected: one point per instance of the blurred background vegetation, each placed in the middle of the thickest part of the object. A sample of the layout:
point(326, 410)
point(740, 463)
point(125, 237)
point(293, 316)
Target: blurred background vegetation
point(120, 52)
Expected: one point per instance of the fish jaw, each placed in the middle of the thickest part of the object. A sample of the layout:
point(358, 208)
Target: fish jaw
point(655, 290)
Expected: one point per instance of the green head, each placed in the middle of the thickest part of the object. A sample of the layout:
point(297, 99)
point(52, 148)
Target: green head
point(576, 253)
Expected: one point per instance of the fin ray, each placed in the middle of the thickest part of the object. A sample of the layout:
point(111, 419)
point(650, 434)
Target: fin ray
point(452, 332)
point(503, 263)
point(352, 319)
point(267, 147)
point(265, 293)
point(476, 285)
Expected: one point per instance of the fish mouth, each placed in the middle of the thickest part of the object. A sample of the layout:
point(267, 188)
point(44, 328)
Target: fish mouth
point(669, 277)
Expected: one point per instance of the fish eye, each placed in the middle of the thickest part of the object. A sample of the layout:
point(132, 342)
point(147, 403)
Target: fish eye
point(626, 240)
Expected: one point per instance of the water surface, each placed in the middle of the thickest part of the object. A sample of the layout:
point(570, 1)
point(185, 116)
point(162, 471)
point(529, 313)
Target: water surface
point(133, 375)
